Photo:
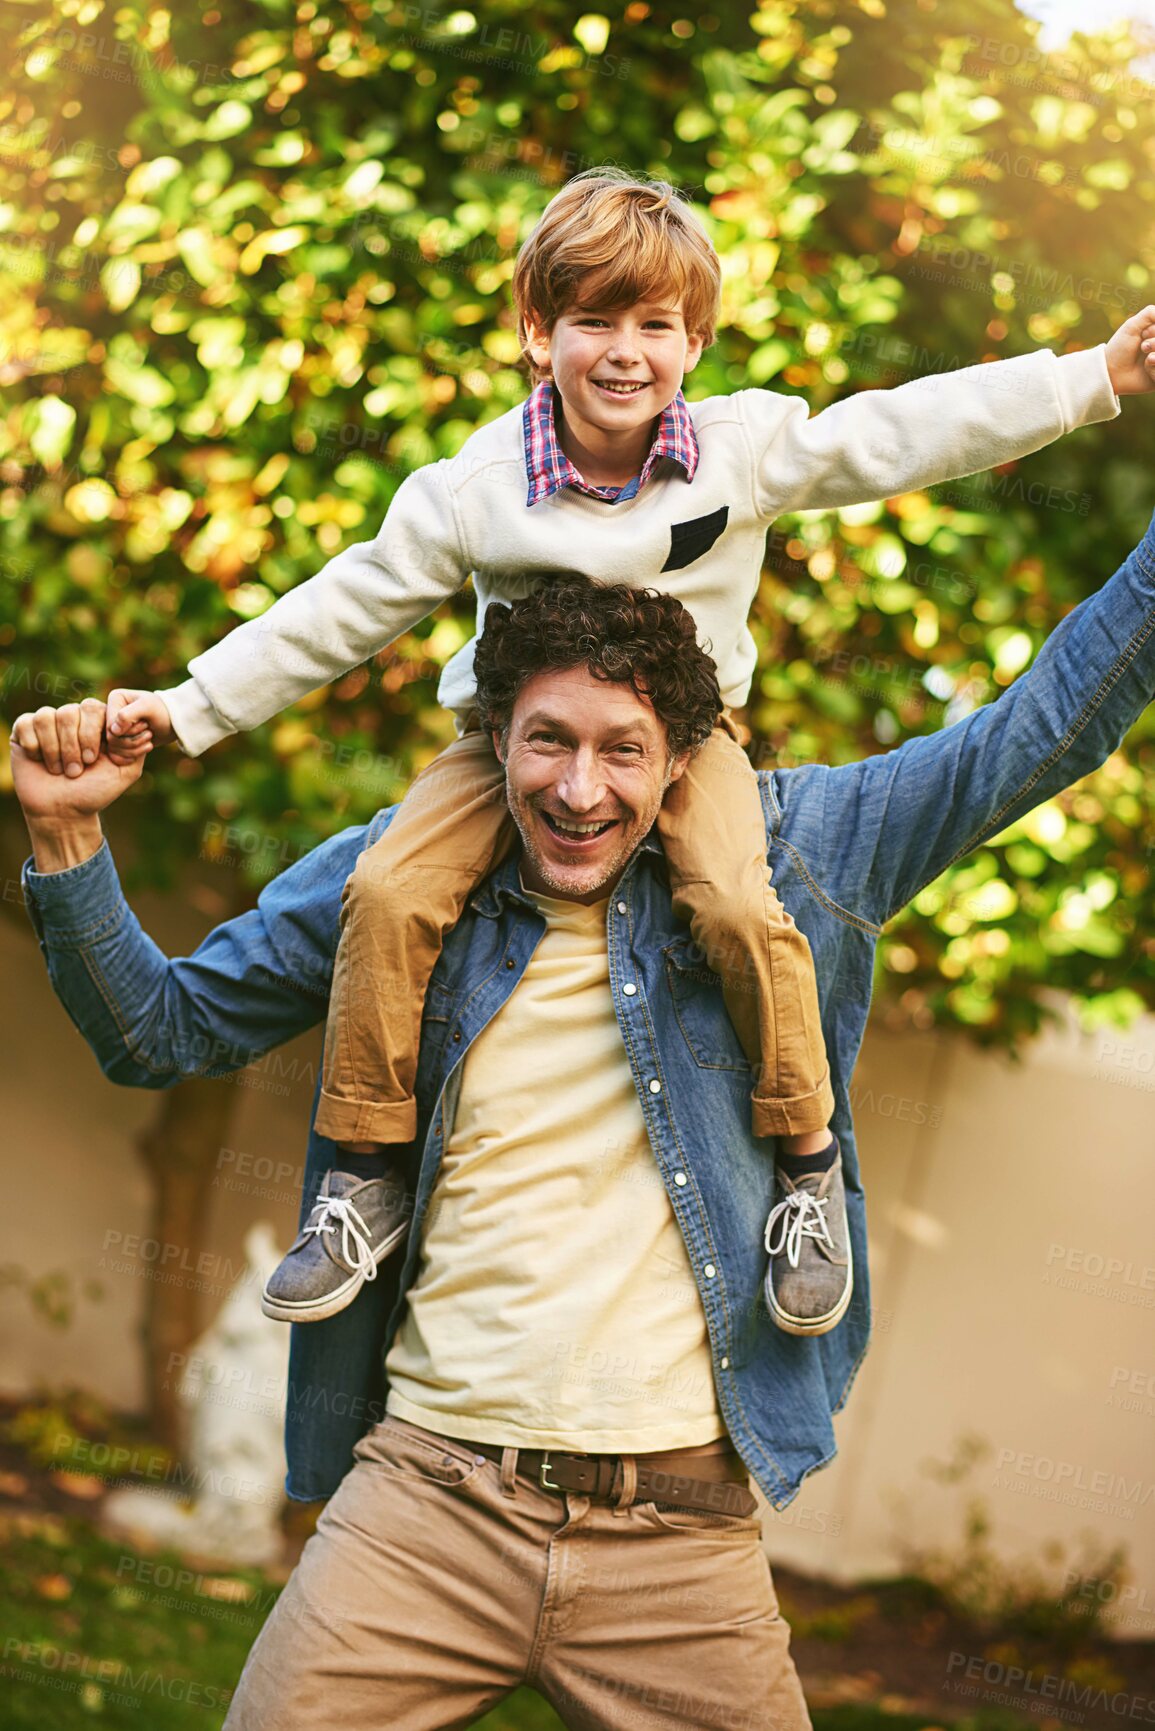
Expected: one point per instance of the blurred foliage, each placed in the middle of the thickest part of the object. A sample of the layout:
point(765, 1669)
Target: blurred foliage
point(1058, 1593)
point(76, 1432)
point(53, 1297)
point(98, 1634)
point(255, 259)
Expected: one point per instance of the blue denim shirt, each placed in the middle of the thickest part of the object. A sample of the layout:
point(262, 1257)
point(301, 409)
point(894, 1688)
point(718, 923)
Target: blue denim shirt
point(848, 847)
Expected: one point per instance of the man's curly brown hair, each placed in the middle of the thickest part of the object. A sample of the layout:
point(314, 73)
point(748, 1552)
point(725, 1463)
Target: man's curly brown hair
point(637, 637)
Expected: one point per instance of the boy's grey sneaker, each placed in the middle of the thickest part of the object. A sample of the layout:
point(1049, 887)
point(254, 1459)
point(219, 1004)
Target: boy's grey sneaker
point(353, 1226)
point(811, 1272)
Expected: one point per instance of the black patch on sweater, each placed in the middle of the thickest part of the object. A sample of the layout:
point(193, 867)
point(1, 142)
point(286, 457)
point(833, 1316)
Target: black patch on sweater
point(688, 541)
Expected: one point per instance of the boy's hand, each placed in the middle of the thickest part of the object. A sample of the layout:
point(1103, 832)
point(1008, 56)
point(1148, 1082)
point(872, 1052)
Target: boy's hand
point(1131, 355)
point(67, 740)
point(136, 717)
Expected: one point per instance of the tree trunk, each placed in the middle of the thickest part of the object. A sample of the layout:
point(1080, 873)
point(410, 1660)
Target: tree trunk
point(179, 1151)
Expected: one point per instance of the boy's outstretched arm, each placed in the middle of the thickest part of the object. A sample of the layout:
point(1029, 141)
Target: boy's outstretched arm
point(879, 443)
point(358, 603)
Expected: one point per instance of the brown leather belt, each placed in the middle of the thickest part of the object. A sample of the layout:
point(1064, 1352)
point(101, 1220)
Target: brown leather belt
point(714, 1484)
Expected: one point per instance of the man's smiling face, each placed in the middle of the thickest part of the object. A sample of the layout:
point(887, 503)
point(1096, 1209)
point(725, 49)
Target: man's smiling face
point(586, 766)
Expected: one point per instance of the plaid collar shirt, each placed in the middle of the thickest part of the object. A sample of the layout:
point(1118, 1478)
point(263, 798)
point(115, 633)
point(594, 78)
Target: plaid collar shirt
point(548, 469)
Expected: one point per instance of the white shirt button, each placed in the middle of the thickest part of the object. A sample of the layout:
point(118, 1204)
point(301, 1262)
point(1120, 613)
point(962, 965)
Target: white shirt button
point(709, 1271)
point(621, 907)
point(680, 1178)
point(725, 1363)
point(655, 1087)
point(630, 989)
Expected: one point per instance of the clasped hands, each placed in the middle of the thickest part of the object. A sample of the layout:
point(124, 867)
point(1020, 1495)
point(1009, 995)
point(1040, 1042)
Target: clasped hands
point(62, 767)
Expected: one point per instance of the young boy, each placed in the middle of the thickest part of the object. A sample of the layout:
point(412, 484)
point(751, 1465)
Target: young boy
point(605, 470)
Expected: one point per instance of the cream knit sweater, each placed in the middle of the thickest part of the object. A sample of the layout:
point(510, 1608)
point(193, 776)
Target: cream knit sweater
point(703, 541)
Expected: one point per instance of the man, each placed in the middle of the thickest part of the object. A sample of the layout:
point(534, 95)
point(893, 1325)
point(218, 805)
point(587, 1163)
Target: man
point(452, 1563)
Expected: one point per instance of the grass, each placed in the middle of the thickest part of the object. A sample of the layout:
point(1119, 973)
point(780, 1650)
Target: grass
point(95, 1635)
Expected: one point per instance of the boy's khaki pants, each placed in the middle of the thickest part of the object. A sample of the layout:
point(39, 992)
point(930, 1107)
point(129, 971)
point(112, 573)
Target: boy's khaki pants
point(454, 826)
point(438, 1581)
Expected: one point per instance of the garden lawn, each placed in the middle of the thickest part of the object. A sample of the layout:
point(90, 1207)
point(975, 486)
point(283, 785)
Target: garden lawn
point(98, 1635)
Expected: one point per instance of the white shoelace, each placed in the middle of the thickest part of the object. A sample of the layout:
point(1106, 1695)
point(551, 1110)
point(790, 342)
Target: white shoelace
point(800, 1215)
point(338, 1210)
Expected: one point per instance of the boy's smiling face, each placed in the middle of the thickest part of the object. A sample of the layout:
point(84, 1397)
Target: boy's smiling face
point(616, 368)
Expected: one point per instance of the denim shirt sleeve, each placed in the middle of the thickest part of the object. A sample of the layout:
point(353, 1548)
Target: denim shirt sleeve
point(254, 982)
point(874, 834)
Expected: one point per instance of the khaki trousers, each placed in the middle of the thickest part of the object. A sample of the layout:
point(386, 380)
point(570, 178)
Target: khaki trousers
point(449, 832)
point(437, 1582)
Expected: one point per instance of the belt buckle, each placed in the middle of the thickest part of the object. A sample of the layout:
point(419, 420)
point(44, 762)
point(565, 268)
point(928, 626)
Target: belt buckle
point(543, 1471)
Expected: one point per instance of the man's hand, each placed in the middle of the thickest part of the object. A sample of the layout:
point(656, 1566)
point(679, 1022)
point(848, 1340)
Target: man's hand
point(62, 810)
point(1131, 355)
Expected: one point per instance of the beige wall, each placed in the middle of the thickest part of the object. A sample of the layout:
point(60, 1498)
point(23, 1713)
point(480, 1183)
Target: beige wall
point(72, 1134)
point(1013, 1262)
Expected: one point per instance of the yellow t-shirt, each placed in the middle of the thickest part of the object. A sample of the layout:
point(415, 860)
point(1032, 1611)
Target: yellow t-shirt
point(554, 1306)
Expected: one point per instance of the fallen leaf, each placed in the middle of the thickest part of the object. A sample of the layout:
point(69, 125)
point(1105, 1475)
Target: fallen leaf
point(227, 1588)
point(84, 1485)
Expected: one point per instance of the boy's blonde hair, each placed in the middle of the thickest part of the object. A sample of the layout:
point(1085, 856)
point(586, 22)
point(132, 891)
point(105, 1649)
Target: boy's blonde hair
point(625, 240)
